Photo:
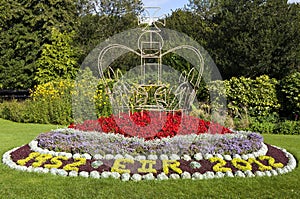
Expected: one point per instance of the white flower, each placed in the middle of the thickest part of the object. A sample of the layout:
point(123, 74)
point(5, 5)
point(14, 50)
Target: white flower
point(37, 169)
point(279, 171)
point(186, 175)
point(33, 145)
point(207, 156)
point(53, 153)
point(162, 176)
point(109, 157)
point(274, 172)
point(98, 157)
point(76, 155)
point(95, 174)
point(240, 174)
point(149, 176)
point(237, 156)
point(86, 156)
point(152, 157)
point(45, 170)
point(73, 173)
point(105, 174)
point(115, 175)
point(198, 156)
point(125, 177)
point(136, 177)
point(245, 157)
point(208, 175)
point(229, 174)
point(127, 156)
point(219, 156)
point(249, 173)
point(197, 176)
point(119, 156)
point(186, 157)
point(268, 173)
point(140, 157)
point(30, 169)
point(163, 157)
point(250, 155)
point(53, 171)
point(84, 174)
point(174, 176)
point(174, 157)
point(195, 165)
point(259, 173)
point(219, 175)
point(227, 157)
point(62, 172)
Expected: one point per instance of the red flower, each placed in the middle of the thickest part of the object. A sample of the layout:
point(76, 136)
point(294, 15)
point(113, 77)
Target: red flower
point(151, 125)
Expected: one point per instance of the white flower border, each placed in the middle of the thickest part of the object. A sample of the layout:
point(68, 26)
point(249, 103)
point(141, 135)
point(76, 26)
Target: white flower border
point(162, 176)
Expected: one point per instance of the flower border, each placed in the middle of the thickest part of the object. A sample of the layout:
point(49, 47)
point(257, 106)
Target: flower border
point(169, 163)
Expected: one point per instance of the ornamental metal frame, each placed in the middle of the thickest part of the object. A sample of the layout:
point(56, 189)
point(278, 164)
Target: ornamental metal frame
point(150, 47)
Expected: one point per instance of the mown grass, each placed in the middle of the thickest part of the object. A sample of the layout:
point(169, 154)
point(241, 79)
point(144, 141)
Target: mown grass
point(17, 184)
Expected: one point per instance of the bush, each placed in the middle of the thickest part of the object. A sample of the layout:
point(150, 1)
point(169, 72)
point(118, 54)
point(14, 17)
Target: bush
point(258, 95)
point(13, 110)
point(289, 95)
point(51, 103)
point(288, 128)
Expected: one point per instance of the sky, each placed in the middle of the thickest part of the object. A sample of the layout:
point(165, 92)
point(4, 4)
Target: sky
point(168, 5)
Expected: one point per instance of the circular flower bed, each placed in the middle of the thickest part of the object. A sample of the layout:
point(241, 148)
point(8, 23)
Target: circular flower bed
point(169, 153)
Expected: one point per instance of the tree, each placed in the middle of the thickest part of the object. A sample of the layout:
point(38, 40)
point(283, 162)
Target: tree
point(58, 59)
point(252, 38)
point(25, 27)
point(105, 19)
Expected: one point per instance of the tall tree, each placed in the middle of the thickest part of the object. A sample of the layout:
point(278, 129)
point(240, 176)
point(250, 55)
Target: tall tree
point(252, 38)
point(105, 19)
point(25, 27)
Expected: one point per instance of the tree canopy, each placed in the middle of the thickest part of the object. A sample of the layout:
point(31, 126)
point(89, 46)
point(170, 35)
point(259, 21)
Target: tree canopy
point(245, 38)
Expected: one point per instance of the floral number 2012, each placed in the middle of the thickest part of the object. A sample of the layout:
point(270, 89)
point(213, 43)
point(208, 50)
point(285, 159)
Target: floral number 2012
point(245, 165)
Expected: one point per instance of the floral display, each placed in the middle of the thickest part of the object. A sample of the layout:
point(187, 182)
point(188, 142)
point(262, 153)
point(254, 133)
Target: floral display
point(161, 150)
point(151, 125)
point(74, 141)
point(273, 161)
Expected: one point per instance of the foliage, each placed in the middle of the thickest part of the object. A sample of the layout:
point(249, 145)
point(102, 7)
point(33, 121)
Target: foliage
point(85, 90)
point(104, 19)
point(13, 110)
point(252, 38)
point(25, 26)
point(288, 128)
point(258, 95)
point(52, 102)
point(289, 95)
point(58, 59)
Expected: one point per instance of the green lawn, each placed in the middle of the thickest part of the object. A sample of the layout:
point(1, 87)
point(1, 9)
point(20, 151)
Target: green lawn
point(17, 184)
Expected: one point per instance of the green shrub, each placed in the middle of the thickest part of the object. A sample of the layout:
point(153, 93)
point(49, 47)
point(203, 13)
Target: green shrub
point(52, 102)
point(289, 95)
point(288, 128)
point(258, 96)
point(13, 110)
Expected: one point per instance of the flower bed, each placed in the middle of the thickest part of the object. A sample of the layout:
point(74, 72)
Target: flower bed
point(152, 125)
point(267, 162)
point(74, 141)
point(161, 147)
